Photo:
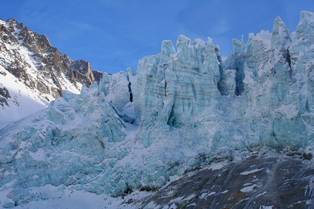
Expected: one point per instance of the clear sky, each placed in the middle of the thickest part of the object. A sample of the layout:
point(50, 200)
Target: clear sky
point(115, 34)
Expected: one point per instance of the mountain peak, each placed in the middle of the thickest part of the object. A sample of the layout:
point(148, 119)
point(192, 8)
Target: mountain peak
point(41, 70)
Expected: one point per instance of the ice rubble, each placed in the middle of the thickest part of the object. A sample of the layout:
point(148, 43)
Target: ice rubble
point(186, 104)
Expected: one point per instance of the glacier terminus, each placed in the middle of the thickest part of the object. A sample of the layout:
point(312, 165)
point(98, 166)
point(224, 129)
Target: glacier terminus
point(185, 115)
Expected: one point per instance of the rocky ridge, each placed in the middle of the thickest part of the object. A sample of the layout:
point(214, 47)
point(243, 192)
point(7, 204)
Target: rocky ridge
point(33, 64)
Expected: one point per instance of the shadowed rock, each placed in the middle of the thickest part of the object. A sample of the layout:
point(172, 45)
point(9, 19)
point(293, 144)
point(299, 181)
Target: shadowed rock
point(254, 183)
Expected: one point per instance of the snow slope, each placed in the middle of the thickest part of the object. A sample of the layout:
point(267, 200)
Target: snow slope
point(23, 101)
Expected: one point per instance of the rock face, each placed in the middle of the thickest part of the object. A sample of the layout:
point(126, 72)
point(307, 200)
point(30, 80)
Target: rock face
point(254, 183)
point(5, 95)
point(39, 69)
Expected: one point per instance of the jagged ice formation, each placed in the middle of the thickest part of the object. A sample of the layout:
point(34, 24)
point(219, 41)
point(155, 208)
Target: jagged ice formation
point(182, 106)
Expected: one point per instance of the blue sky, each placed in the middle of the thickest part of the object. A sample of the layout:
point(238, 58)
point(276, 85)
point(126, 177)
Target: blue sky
point(115, 34)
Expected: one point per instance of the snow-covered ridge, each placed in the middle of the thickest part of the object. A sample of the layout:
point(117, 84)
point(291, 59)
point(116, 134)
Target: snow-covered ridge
point(183, 107)
point(28, 60)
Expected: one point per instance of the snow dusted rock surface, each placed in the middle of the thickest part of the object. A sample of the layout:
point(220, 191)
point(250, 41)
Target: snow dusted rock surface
point(33, 73)
point(257, 182)
point(181, 109)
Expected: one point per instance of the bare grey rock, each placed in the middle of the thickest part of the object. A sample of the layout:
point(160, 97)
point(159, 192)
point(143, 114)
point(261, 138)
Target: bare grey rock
point(254, 183)
point(4, 96)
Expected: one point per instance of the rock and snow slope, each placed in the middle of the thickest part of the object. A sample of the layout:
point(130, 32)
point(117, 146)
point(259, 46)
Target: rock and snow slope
point(259, 182)
point(33, 73)
point(182, 109)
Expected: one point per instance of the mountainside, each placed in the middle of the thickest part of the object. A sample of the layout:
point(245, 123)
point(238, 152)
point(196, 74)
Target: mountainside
point(258, 182)
point(184, 110)
point(33, 73)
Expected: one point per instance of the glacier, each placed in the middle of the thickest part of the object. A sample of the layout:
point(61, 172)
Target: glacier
point(179, 109)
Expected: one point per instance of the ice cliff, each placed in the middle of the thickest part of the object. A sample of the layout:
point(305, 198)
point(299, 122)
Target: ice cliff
point(181, 108)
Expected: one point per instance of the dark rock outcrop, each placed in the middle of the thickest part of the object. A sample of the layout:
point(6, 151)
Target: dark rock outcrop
point(97, 75)
point(255, 183)
point(4, 96)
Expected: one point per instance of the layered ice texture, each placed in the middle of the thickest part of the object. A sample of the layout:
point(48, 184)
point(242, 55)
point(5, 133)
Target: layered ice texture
point(181, 107)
